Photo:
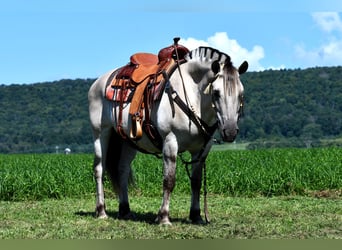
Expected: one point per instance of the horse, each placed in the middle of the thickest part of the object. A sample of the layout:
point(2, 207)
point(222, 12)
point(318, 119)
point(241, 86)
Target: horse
point(202, 95)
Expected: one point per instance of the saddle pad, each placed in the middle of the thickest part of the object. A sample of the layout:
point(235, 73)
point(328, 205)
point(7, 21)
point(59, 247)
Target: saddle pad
point(117, 94)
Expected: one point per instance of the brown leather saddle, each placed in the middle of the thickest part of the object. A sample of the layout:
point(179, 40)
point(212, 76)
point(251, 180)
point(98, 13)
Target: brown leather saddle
point(140, 83)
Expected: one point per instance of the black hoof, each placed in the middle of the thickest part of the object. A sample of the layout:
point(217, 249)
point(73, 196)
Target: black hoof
point(195, 217)
point(124, 211)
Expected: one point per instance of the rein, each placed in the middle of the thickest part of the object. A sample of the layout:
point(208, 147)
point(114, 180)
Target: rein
point(199, 160)
point(206, 130)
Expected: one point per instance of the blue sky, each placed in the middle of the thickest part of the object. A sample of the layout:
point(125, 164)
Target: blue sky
point(51, 40)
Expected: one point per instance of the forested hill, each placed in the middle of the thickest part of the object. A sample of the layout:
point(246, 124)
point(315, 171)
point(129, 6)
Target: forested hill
point(40, 117)
point(301, 106)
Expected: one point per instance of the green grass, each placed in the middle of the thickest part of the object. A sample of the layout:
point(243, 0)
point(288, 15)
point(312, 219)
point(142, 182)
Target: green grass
point(229, 146)
point(36, 177)
point(248, 173)
point(275, 172)
point(231, 218)
point(275, 193)
point(253, 173)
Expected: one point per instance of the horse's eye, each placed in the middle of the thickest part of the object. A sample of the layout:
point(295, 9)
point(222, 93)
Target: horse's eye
point(241, 100)
point(216, 94)
point(241, 106)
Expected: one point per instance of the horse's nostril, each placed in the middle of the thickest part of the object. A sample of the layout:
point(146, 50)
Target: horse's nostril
point(229, 135)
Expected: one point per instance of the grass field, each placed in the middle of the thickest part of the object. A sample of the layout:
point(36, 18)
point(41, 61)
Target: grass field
point(231, 218)
point(278, 193)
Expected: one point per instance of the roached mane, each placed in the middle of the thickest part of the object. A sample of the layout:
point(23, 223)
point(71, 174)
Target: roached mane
point(210, 54)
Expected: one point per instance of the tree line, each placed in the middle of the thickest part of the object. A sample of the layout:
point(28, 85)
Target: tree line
point(298, 106)
point(282, 108)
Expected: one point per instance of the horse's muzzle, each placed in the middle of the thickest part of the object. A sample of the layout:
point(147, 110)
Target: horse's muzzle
point(229, 131)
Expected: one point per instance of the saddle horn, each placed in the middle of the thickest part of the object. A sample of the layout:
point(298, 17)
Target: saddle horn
point(176, 40)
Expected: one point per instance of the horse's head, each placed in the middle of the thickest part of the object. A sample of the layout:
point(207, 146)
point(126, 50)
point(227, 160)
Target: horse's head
point(226, 91)
point(219, 82)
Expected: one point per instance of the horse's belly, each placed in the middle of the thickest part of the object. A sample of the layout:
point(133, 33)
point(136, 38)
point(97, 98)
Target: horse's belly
point(122, 124)
point(190, 143)
point(145, 144)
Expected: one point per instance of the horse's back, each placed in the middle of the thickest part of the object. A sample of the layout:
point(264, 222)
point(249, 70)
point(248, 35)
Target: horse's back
point(96, 99)
point(97, 89)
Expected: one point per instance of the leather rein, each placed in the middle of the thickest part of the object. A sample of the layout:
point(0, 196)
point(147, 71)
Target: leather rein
point(206, 130)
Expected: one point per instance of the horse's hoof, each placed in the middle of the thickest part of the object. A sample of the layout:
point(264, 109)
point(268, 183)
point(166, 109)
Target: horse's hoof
point(128, 216)
point(195, 217)
point(101, 215)
point(165, 221)
point(100, 212)
point(198, 221)
point(124, 211)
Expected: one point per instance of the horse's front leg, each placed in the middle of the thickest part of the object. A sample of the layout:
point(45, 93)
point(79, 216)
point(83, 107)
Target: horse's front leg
point(199, 159)
point(196, 184)
point(170, 151)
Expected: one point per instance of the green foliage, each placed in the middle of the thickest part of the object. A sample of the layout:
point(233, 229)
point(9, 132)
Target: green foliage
point(231, 218)
point(55, 197)
point(39, 117)
point(234, 173)
point(302, 104)
point(305, 105)
point(37, 177)
point(274, 172)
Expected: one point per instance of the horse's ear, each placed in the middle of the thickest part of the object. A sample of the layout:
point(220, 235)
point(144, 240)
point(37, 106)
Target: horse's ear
point(215, 67)
point(243, 67)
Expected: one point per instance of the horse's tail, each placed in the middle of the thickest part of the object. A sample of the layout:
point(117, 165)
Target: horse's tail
point(113, 160)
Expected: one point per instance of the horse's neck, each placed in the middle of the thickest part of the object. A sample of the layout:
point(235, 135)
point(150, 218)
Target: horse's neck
point(191, 93)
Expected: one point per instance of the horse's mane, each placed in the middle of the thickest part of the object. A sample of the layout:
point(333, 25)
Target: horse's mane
point(209, 54)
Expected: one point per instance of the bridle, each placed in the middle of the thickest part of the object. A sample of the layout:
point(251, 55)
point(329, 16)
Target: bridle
point(209, 91)
point(206, 130)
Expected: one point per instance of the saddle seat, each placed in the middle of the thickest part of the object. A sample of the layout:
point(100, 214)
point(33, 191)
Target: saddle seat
point(138, 61)
point(144, 58)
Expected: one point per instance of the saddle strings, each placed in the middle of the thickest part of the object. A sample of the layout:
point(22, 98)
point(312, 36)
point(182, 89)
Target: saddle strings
point(184, 89)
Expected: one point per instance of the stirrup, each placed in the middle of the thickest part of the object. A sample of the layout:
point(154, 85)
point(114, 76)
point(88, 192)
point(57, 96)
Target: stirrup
point(136, 130)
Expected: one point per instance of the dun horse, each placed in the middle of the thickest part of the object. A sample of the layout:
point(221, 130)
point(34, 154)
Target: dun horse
point(200, 93)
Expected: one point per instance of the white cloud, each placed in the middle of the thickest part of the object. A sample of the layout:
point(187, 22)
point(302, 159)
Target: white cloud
point(328, 21)
point(329, 53)
point(238, 54)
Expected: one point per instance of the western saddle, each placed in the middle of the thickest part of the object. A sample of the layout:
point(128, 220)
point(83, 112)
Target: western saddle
point(140, 83)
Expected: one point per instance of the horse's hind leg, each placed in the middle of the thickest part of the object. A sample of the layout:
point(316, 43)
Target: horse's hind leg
point(101, 140)
point(125, 171)
point(121, 176)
